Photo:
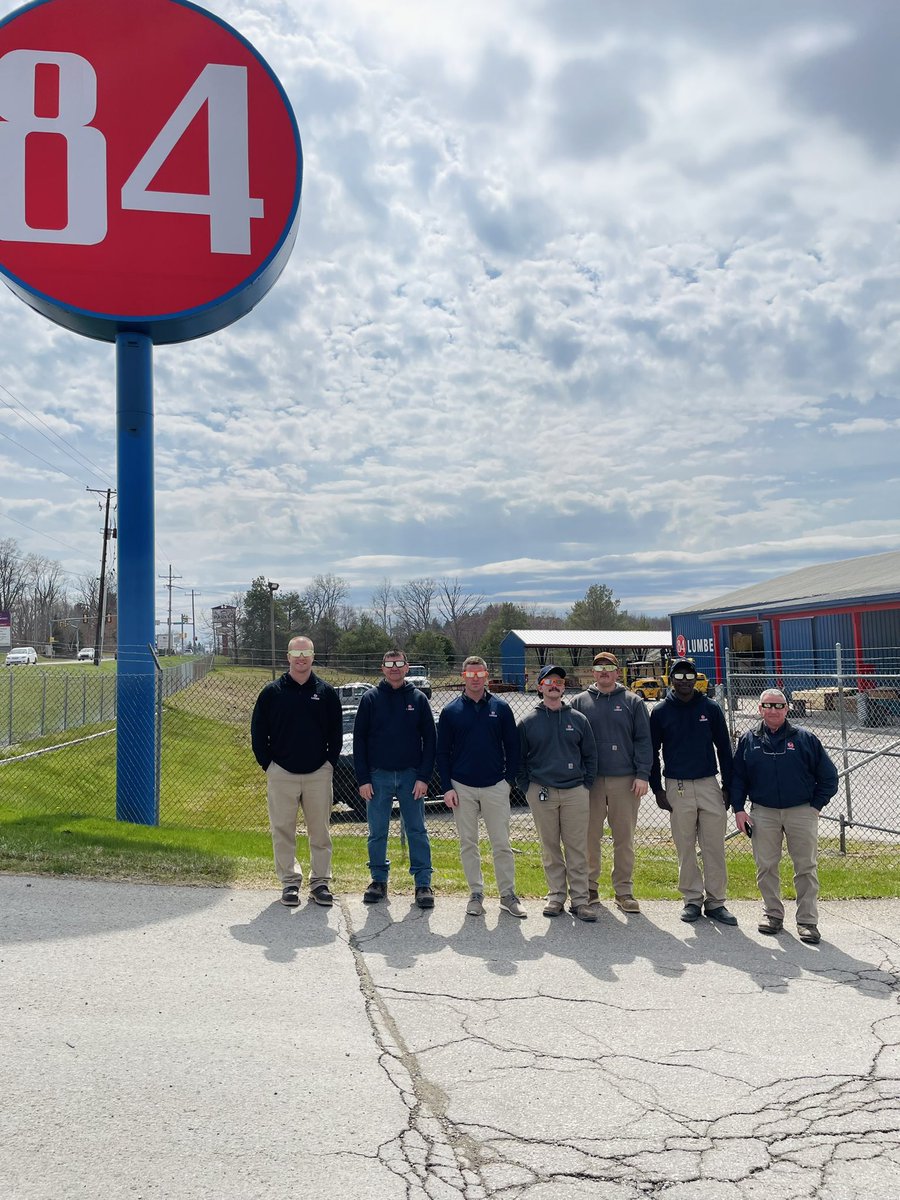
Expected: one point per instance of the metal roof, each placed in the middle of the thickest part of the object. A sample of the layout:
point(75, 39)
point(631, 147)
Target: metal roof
point(874, 576)
point(645, 639)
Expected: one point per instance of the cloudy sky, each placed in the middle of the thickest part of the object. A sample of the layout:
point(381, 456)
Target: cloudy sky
point(584, 291)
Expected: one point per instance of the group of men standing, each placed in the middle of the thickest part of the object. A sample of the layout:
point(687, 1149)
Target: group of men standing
point(581, 765)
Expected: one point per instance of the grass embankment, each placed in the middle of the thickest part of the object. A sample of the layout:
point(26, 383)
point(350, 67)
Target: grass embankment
point(61, 843)
point(57, 816)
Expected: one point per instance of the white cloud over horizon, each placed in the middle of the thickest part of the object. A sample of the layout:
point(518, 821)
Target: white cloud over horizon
point(581, 293)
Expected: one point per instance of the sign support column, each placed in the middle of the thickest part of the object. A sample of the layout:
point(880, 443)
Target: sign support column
point(136, 758)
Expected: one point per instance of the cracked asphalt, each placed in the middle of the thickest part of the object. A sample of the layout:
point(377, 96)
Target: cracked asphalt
point(191, 1043)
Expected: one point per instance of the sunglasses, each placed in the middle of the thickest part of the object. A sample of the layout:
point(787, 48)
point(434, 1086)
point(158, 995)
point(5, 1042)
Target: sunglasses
point(394, 662)
point(772, 704)
point(553, 682)
point(681, 675)
point(476, 674)
point(301, 654)
point(606, 670)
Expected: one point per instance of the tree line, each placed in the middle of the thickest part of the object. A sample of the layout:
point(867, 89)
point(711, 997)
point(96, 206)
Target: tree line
point(48, 607)
point(437, 621)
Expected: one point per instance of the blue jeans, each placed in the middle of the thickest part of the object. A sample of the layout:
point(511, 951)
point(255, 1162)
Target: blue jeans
point(385, 786)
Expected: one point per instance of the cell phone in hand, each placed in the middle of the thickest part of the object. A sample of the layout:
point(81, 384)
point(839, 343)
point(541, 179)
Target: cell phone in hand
point(748, 829)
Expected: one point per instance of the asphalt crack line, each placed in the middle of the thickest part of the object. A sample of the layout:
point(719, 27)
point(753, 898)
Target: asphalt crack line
point(432, 1156)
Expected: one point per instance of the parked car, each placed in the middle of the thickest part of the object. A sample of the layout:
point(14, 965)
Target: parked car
point(86, 654)
point(418, 677)
point(350, 694)
point(22, 656)
point(345, 788)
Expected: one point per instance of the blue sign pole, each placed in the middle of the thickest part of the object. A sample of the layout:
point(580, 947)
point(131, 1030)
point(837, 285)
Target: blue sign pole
point(136, 760)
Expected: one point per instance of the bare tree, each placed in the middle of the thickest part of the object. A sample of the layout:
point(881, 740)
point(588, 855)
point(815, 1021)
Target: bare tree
point(46, 586)
point(324, 596)
point(13, 575)
point(413, 602)
point(383, 603)
point(454, 606)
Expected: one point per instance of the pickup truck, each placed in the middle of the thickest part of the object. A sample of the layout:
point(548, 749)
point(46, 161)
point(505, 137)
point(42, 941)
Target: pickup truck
point(418, 677)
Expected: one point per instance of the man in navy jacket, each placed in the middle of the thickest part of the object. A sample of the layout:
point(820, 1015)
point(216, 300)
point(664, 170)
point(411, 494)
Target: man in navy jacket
point(478, 759)
point(393, 755)
point(789, 778)
point(691, 732)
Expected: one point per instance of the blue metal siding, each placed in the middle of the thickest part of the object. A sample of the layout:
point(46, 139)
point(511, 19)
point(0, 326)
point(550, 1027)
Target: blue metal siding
point(797, 644)
point(698, 634)
point(512, 660)
point(881, 639)
point(827, 630)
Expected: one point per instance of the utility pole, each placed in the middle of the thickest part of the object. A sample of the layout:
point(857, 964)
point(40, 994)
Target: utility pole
point(170, 585)
point(101, 601)
point(193, 621)
point(273, 588)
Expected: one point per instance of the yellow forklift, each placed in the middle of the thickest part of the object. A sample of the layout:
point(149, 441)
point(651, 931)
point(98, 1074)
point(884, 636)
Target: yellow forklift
point(650, 680)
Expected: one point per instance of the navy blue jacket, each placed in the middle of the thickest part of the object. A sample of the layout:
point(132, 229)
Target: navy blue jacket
point(297, 725)
point(394, 731)
point(782, 770)
point(691, 734)
point(477, 743)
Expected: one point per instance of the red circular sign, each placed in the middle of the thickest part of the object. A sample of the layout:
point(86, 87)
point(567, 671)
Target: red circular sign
point(150, 167)
point(681, 645)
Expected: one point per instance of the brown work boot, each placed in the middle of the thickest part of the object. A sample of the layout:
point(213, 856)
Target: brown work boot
point(628, 903)
point(770, 925)
point(553, 908)
point(593, 896)
point(585, 912)
point(809, 934)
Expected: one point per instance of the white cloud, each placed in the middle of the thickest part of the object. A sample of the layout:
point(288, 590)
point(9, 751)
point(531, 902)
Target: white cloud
point(614, 283)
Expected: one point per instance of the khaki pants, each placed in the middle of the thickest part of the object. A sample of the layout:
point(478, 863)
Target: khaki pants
point(562, 818)
point(699, 817)
point(287, 794)
point(612, 799)
point(800, 827)
point(491, 803)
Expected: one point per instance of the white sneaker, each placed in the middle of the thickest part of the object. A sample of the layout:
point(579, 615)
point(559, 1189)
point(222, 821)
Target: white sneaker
point(475, 907)
point(513, 905)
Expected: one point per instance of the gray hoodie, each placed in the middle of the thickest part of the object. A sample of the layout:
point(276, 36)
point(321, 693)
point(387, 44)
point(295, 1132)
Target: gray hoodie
point(621, 727)
point(557, 748)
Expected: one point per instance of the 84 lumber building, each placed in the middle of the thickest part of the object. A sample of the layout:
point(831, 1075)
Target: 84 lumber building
point(792, 623)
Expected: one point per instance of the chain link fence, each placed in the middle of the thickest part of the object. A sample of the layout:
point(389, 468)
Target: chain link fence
point(58, 753)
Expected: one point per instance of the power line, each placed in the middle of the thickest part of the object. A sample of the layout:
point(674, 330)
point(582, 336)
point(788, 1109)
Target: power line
point(96, 469)
point(35, 454)
point(40, 533)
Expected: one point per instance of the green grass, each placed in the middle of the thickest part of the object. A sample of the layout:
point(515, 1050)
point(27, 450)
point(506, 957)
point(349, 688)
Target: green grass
point(62, 843)
point(57, 817)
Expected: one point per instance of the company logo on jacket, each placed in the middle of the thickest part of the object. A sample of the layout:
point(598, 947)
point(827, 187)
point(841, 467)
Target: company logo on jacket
point(704, 717)
point(410, 708)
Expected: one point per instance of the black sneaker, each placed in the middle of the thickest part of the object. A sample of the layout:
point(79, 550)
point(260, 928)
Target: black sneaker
point(424, 897)
point(321, 895)
point(691, 912)
point(290, 895)
point(377, 890)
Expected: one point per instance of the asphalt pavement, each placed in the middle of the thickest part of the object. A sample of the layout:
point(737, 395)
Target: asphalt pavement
point(191, 1043)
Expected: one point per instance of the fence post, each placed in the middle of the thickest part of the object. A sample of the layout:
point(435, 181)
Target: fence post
point(159, 711)
point(843, 835)
point(43, 703)
point(848, 795)
point(102, 679)
point(729, 687)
